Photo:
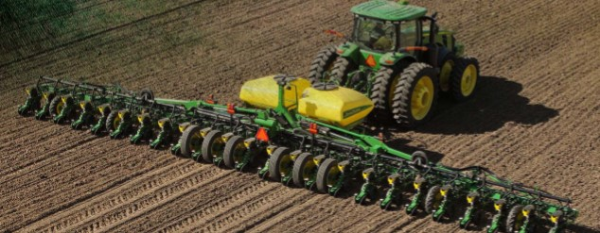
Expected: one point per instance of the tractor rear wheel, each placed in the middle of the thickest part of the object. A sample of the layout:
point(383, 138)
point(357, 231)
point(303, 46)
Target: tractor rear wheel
point(190, 141)
point(447, 66)
point(322, 66)
point(464, 78)
point(327, 175)
point(341, 69)
point(234, 151)
point(280, 163)
point(433, 199)
point(304, 169)
point(415, 95)
point(212, 146)
point(515, 219)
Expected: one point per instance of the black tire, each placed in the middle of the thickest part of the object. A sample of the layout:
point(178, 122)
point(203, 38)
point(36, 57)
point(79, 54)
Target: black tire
point(110, 120)
point(380, 94)
point(208, 145)
point(431, 199)
point(341, 69)
point(189, 140)
point(231, 147)
point(402, 106)
point(322, 65)
point(279, 155)
point(147, 94)
point(299, 170)
point(52, 110)
point(323, 172)
point(419, 157)
point(511, 219)
point(456, 78)
point(447, 65)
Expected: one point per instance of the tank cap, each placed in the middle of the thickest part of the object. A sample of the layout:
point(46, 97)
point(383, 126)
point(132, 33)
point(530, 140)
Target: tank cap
point(325, 86)
point(284, 79)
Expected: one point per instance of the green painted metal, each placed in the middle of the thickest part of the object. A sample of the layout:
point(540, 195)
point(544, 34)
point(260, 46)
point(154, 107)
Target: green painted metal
point(354, 152)
point(388, 10)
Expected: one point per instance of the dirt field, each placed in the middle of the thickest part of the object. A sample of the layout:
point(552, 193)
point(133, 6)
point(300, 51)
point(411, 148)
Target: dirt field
point(536, 117)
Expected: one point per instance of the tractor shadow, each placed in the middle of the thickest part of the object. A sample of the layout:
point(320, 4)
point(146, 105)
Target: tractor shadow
point(582, 228)
point(496, 102)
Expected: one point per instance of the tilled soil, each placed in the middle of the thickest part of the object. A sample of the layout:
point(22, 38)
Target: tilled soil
point(535, 118)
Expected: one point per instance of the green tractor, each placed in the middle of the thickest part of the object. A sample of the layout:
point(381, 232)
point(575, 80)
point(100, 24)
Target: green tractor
point(398, 56)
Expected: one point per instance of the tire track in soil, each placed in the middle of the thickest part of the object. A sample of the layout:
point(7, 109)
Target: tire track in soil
point(124, 194)
point(23, 148)
point(210, 199)
point(214, 217)
point(73, 163)
point(254, 212)
point(295, 213)
point(166, 193)
point(106, 181)
point(37, 167)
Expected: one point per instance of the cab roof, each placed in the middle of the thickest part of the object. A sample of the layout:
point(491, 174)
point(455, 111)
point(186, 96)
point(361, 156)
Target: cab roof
point(388, 10)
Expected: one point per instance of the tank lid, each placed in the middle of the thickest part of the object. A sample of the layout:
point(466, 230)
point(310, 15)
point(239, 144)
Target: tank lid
point(325, 86)
point(284, 79)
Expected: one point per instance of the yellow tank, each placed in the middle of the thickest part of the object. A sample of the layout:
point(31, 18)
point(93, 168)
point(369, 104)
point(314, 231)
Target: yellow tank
point(263, 92)
point(339, 106)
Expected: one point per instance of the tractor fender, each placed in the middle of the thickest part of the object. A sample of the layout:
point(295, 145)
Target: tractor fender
point(348, 50)
point(391, 59)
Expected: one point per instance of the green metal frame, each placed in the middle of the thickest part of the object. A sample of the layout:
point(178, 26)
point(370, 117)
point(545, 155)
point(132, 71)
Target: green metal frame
point(357, 154)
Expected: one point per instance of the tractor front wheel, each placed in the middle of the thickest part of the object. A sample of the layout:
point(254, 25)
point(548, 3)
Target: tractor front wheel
point(464, 78)
point(448, 64)
point(415, 95)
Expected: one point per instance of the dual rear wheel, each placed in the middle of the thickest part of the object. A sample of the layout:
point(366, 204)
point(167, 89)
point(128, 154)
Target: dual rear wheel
point(406, 93)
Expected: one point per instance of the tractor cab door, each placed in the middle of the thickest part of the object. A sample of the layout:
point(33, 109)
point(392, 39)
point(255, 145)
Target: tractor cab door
point(410, 36)
point(428, 37)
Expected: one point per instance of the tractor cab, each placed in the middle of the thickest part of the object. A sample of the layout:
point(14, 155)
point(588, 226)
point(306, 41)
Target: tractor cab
point(383, 26)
